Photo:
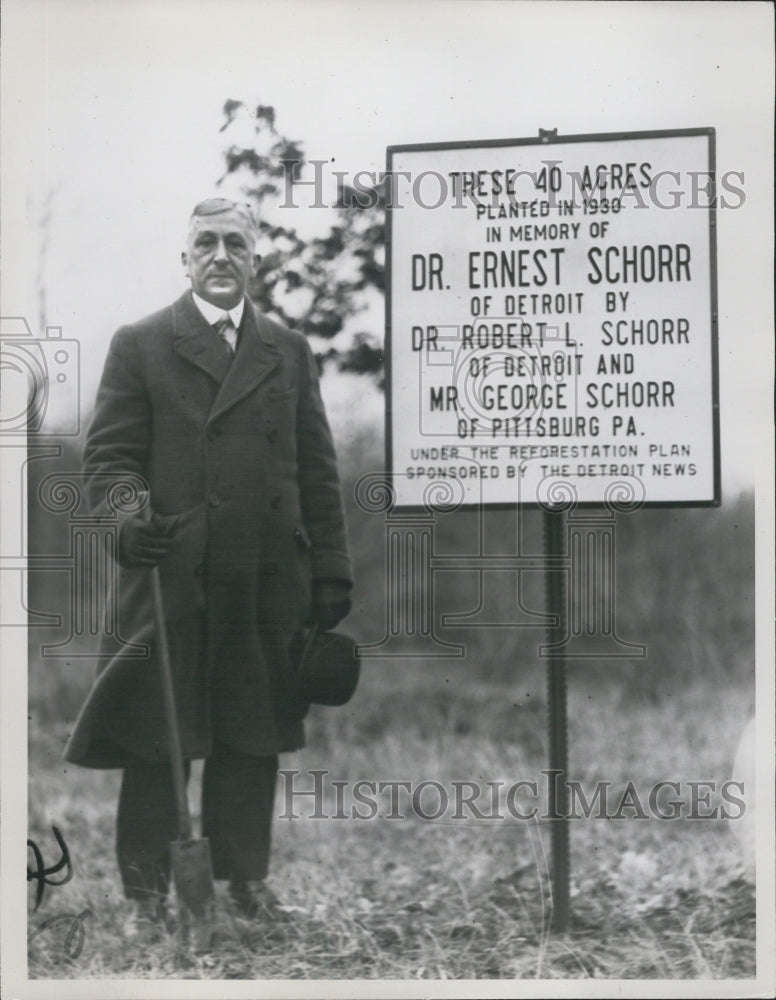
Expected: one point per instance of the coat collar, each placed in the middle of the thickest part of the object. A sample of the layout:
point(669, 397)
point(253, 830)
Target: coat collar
point(256, 358)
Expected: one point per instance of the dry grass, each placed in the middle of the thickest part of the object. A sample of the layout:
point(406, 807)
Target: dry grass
point(410, 899)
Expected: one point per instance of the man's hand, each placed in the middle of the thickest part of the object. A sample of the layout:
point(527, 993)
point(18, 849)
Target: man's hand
point(331, 603)
point(144, 543)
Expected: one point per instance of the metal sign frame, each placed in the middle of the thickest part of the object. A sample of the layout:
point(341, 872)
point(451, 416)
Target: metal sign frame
point(551, 139)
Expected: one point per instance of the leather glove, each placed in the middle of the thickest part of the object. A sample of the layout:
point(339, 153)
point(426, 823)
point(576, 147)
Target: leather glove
point(331, 603)
point(144, 543)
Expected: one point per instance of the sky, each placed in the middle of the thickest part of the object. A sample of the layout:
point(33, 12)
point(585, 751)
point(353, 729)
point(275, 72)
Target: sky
point(111, 118)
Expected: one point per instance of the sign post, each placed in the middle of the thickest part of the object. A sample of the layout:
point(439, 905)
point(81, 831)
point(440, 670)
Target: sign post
point(557, 728)
point(551, 331)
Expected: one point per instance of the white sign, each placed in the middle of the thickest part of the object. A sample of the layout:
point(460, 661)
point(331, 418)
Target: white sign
point(552, 319)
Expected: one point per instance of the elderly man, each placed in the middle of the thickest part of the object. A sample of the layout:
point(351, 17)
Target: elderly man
point(217, 410)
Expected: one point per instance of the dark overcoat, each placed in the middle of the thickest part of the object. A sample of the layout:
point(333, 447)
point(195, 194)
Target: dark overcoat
point(241, 450)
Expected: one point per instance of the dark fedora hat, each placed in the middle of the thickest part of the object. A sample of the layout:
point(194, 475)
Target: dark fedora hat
point(327, 667)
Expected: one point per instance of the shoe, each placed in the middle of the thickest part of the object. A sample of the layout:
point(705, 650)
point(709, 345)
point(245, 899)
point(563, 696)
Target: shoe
point(256, 900)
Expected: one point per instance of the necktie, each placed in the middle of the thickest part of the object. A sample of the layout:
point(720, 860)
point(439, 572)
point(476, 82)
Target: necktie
point(226, 331)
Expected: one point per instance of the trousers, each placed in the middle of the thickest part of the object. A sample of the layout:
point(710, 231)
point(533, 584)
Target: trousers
point(238, 793)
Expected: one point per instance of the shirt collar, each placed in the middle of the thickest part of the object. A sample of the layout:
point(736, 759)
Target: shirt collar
point(214, 313)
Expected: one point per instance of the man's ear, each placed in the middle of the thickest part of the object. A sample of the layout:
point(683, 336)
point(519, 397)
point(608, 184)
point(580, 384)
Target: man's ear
point(256, 262)
point(184, 259)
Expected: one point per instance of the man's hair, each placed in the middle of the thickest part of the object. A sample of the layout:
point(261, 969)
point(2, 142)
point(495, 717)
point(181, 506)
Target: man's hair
point(217, 206)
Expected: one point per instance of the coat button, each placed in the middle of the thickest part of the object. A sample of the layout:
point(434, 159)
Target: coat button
point(272, 436)
point(275, 502)
point(215, 501)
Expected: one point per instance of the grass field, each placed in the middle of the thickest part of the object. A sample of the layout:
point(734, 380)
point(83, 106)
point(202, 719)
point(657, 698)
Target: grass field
point(446, 898)
point(415, 898)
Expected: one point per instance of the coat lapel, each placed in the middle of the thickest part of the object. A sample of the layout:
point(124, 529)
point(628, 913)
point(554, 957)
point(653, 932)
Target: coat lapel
point(256, 358)
point(196, 341)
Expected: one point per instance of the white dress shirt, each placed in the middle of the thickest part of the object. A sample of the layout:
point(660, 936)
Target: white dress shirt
point(213, 314)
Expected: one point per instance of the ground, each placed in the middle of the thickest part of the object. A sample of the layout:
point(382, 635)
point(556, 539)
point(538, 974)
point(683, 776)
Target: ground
point(426, 898)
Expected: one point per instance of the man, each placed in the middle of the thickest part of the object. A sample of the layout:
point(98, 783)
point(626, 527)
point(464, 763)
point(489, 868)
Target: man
point(217, 410)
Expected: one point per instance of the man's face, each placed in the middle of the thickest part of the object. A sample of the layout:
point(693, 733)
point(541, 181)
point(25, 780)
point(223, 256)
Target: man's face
point(219, 258)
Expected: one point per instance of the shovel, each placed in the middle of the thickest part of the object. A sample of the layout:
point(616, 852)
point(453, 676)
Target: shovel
point(190, 857)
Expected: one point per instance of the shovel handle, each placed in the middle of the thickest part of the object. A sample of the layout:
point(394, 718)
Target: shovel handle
point(170, 711)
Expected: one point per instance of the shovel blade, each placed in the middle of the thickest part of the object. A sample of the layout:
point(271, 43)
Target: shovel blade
point(193, 875)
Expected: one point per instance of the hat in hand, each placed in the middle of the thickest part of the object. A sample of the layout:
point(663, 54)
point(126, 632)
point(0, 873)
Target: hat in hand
point(327, 666)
